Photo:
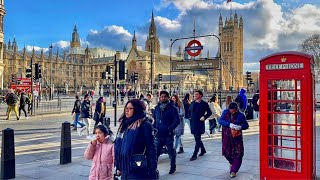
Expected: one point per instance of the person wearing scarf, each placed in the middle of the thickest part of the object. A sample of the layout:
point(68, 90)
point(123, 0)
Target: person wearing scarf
point(135, 136)
point(232, 146)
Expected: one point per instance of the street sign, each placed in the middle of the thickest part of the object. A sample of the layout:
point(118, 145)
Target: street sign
point(197, 49)
point(195, 65)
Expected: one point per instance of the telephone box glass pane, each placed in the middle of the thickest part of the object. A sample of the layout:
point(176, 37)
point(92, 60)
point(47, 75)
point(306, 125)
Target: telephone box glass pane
point(281, 141)
point(284, 153)
point(285, 164)
point(284, 84)
point(284, 118)
point(284, 130)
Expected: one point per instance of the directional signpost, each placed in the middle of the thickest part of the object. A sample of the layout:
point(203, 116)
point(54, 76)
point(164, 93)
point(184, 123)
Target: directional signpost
point(195, 65)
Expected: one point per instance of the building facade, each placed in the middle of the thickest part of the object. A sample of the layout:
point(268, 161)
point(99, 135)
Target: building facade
point(231, 35)
point(71, 70)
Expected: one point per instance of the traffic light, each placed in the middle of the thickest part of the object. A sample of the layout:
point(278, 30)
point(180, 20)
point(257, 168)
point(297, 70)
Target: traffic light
point(160, 77)
point(13, 78)
point(248, 76)
point(104, 75)
point(39, 72)
point(136, 76)
point(28, 73)
point(121, 70)
point(36, 70)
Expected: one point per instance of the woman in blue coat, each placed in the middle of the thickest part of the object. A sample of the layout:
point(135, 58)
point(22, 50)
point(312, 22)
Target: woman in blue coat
point(233, 122)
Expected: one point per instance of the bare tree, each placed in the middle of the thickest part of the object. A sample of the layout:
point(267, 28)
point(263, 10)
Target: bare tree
point(311, 45)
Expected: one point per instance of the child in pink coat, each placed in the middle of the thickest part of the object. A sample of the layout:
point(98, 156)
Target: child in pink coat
point(101, 151)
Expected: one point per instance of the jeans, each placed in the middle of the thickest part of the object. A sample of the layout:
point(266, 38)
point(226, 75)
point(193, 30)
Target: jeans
point(76, 120)
point(199, 144)
point(168, 142)
point(86, 121)
point(212, 125)
point(186, 120)
point(256, 114)
point(23, 109)
point(177, 142)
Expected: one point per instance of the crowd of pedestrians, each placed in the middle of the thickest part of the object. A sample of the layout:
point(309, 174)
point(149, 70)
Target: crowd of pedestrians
point(147, 131)
point(17, 102)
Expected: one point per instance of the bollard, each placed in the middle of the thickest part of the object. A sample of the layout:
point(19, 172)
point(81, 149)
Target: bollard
point(65, 148)
point(8, 160)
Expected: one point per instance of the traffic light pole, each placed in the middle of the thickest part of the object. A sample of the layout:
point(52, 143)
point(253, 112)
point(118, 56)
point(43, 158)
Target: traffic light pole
point(32, 102)
point(115, 90)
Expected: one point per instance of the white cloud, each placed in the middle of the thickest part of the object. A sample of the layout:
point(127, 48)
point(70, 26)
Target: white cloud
point(61, 44)
point(171, 25)
point(36, 48)
point(112, 37)
point(184, 5)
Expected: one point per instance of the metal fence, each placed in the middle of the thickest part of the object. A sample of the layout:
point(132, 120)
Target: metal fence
point(53, 106)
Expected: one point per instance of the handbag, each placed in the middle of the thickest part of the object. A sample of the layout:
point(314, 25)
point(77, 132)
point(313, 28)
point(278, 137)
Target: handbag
point(139, 161)
point(235, 133)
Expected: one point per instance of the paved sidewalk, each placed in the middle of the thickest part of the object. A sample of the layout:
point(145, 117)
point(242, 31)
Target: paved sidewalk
point(39, 158)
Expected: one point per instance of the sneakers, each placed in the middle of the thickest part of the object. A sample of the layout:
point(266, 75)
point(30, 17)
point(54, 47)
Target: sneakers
point(172, 170)
point(80, 129)
point(202, 153)
point(193, 158)
point(18, 118)
point(27, 117)
point(233, 174)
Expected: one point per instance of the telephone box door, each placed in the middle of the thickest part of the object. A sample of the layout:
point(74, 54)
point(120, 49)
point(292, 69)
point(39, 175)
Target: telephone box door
point(287, 123)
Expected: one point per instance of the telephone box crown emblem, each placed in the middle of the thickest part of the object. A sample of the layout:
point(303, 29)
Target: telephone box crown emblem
point(283, 59)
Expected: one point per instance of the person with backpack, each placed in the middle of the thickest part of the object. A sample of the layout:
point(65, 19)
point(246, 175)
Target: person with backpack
point(76, 110)
point(255, 103)
point(241, 100)
point(23, 102)
point(12, 100)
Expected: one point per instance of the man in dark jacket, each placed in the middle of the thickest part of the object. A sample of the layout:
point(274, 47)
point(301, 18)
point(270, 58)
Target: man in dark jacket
point(76, 110)
point(199, 111)
point(86, 113)
point(23, 102)
point(166, 118)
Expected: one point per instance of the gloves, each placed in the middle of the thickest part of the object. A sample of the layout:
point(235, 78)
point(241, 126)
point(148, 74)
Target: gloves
point(237, 127)
point(202, 118)
point(232, 126)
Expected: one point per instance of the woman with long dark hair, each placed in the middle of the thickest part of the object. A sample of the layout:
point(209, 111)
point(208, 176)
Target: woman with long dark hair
point(186, 104)
point(135, 150)
point(179, 130)
point(100, 111)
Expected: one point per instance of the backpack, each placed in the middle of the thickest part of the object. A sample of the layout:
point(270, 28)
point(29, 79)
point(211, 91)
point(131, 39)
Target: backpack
point(12, 99)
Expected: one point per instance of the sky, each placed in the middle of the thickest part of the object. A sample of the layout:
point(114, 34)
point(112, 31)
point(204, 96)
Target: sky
point(269, 25)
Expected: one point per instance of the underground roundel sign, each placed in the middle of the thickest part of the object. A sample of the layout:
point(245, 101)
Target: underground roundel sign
point(194, 46)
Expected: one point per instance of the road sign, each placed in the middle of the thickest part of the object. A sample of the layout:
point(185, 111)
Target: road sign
point(197, 49)
point(195, 65)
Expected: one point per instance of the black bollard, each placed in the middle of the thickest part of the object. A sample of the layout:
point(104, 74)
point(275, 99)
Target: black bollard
point(65, 148)
point(8, 160)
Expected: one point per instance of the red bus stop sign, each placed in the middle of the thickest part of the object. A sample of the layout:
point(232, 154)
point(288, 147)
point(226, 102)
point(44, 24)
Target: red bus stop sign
point(197, 49)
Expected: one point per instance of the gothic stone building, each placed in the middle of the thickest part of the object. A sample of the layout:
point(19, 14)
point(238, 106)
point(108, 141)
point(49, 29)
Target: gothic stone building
point(231, 35)
point(78, 67)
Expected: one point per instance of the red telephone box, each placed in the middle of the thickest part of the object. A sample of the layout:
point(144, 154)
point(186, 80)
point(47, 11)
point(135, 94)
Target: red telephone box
point(287, 117)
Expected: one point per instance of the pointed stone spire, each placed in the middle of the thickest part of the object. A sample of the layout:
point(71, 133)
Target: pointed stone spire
point(9, 45)
point(134, 40)
point(152, 28)
point(220, 19)
point(50, 52)
point(75, 42)
point(57, 55)
point(42, 55)
point(14, 46)
point(24, 52)
point(124, 48)
point(179, 52)
point(32, 56)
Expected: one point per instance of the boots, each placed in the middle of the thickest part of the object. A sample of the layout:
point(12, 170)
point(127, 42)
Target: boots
point(181, 150)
